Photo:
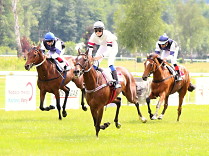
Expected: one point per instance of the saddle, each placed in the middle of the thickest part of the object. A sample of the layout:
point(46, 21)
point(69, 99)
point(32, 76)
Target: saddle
point(61, 67)
point(172, 71)
point(107, 74)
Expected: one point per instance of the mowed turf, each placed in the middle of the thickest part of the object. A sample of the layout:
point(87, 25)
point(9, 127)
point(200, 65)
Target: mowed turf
point(41, 133)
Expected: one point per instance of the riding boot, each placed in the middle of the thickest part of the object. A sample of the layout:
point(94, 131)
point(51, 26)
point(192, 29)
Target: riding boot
point(97, 68)
point(178, 76)
point(115, 77)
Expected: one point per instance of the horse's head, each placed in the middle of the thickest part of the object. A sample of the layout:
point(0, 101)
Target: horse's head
point(82, 63)
point(33, 57)
point(151, 65)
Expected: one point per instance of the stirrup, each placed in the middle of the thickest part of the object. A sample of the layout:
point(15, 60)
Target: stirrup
point(66, 68)
point(117, 85)
point(178, 77)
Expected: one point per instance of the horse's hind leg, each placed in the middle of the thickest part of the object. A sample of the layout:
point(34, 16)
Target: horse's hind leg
point(57, 96)
point(181, 97)
point(82, 99)
point(118, 103)
point(66, 90)
point(143, 119)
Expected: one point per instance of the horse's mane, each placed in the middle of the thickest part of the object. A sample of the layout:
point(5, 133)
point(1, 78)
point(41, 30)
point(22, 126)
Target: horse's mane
point(154, 56)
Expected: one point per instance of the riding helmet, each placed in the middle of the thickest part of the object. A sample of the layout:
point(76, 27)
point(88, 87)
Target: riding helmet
point(99, 24)
point(163, 39)
point(49, 36)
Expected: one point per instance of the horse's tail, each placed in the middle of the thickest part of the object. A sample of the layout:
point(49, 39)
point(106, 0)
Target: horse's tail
point(191, 87)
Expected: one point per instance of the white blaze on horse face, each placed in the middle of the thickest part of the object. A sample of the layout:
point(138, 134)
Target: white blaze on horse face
point(79, 57)
point(147, 63)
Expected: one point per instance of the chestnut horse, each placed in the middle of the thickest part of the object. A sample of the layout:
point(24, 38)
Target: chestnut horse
point(51, 80)
point(99, 93)
point(164, 84)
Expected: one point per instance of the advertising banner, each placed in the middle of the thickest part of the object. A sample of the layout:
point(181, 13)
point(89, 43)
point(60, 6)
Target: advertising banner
point(73, 101)
point(20, 93)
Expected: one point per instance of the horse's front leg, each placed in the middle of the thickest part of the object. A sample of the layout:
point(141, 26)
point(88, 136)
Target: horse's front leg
point(66, 90)
point(57, 96)
point(161, 100)
point(148, 106)
point(118, 104)
point(82, 99)
point(42, 97)
point(160, 117)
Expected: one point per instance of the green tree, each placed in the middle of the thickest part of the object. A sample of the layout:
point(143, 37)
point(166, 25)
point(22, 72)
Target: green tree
point(139, 23)
point(193, 26)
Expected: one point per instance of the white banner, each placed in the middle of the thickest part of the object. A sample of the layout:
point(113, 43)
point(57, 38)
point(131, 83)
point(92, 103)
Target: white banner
point(73, 101)
point(20, 93)
point(202, 90)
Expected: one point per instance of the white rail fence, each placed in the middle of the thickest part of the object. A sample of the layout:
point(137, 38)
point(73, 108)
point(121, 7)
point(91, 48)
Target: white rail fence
point(19, 91)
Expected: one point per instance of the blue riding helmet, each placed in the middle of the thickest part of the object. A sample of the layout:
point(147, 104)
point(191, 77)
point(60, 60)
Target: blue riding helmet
point(163, 39)
point(49, 36)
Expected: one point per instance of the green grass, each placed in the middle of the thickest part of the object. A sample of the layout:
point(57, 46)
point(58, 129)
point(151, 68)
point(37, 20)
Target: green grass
point(40, 133)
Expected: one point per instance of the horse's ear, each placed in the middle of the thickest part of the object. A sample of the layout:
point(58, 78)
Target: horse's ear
point(87, 51)
point(79, 51)
point(39, 46)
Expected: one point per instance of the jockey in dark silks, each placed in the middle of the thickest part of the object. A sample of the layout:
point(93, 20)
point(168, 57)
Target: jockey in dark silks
point(168, 50)
point(55, 48)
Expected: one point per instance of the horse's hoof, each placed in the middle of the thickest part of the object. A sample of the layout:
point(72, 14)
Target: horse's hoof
point(51, 107)
point(118, 125)
point(151, 115)
point(160, 117)
point(42, 109)
point(84, 108)
point(47, 109)
point(154, 118)
point(144, 120)
point(64, 113)
point(106, 124)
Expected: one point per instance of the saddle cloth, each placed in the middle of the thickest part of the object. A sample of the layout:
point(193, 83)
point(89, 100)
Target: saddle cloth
point(173, 71)
point(108, 75)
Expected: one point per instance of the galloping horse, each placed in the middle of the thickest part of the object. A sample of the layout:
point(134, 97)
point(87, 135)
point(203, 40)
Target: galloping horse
point(99, 93)
point(51, 80)
point(164, 84)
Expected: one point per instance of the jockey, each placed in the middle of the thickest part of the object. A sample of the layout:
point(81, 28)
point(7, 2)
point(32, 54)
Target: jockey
point(55, 48)
point(169, 50)
point(108, 46)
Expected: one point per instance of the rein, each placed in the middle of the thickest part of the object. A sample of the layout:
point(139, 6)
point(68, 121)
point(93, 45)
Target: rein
point(36, 65)
point(158, 81)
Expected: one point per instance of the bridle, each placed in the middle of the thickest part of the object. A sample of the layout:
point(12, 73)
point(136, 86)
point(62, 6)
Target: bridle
point(83, 67)
point(158, 66)
point(39, 64)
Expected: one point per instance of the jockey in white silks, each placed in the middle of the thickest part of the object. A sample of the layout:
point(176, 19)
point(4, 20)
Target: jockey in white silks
point(168, 50)
point(55, 48)
point(108, 46)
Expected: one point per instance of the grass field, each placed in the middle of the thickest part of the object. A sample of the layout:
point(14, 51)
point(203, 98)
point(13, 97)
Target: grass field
point(41, 133)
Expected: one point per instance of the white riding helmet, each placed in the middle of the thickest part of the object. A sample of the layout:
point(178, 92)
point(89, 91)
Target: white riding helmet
point(99, 24)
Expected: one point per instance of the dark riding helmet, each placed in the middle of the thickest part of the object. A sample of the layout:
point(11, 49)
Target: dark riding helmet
point(49, 36)
point(163, 39)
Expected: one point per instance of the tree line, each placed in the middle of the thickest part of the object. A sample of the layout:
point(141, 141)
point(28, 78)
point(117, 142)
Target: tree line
point(137, 23)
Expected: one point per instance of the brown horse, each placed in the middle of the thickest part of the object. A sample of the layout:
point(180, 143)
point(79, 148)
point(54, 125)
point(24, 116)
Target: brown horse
point(51, 80)
point(99, 93)
point(164, 84)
